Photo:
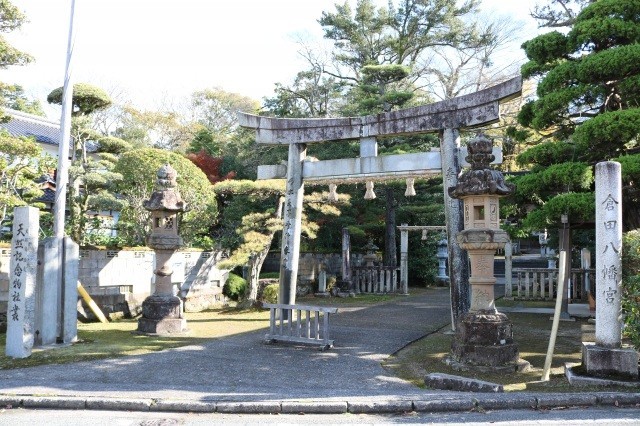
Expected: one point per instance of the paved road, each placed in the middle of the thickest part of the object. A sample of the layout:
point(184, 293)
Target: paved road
point(243, 368)
point(240, 374)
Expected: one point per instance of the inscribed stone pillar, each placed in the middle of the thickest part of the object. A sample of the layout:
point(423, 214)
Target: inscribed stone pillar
point(404, 260)
point(22, 283)
point(292, 224)
point(608, 254)
point(607, 357)
point(458, 260)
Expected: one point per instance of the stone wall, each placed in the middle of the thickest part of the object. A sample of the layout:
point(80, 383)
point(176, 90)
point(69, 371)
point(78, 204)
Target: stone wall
point(309, 265)
point(119, 280)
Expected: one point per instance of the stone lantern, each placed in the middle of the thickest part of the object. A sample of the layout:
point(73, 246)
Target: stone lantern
point(162, 311)
point(371, 256)
point(484, 337)
point(442, 255)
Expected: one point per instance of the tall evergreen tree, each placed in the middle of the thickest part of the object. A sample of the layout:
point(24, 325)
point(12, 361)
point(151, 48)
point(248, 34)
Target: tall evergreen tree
point(587, 107)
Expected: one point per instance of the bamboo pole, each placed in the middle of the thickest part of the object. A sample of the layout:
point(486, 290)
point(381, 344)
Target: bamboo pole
point(556, 317)
point(92, 305)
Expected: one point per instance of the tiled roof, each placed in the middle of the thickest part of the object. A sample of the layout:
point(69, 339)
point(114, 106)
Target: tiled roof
point(23, 124)
point(49, 196)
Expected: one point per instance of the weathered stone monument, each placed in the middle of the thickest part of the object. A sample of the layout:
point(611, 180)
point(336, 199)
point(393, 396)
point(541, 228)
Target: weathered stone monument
point(445, 118)
point(41, 313)
point(484, 337)
point(22, 283)
point(606, 357)
point(162, 311)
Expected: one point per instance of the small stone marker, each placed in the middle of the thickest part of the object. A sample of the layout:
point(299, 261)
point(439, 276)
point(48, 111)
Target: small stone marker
point(22, 282)
point(322, 281)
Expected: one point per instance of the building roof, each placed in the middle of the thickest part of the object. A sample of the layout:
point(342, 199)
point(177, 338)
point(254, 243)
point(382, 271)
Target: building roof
point(42, 129)
point(48, 196)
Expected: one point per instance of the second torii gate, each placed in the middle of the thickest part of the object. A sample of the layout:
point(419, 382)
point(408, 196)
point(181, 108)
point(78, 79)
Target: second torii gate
point(445, 118)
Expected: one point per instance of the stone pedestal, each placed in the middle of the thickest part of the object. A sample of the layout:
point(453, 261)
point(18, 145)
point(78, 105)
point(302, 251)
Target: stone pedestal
point(485, 339)
point(599, 361)
point(162, 315)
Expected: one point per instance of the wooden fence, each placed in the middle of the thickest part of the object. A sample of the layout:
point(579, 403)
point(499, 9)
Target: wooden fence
point(541, 283)
point(375, 279)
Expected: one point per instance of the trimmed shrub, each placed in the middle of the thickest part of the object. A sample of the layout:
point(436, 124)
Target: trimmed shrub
point(235, 287)
point(270, 293)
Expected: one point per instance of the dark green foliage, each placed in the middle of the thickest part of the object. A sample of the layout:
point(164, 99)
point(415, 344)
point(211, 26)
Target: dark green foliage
point(584, 72)
point(545, 48)
point(604, 137)
point(580, 207)
point(204, 140)
point(631, 286)
point(607, 23)
point(113, 145)
point(86, 98)
point(547, 153)
point(235, 287)
point(269, 275)
point(588, 103)
point(630, 167)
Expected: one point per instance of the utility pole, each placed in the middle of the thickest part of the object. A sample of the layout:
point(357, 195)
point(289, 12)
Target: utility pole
point(62, 177)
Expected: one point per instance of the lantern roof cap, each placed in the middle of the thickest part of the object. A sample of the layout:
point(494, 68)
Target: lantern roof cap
point(166, 196)
point(481, 179)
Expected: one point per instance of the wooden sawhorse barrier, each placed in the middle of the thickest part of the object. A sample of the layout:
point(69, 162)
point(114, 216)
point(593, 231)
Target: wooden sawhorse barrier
point(306, 328)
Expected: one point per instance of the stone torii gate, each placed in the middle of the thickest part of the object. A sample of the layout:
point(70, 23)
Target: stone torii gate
point(446, 118)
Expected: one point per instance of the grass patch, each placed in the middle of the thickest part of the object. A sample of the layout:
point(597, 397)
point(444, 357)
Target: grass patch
point(531, 332)
point(116, 339)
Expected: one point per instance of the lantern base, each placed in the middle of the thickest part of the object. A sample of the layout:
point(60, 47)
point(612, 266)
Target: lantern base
point(162, 315)
point(484, 339)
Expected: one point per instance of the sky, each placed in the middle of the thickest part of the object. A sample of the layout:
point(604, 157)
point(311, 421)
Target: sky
point(151, 51)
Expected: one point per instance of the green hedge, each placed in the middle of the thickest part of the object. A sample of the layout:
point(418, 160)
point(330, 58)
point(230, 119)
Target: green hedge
point(235, 287)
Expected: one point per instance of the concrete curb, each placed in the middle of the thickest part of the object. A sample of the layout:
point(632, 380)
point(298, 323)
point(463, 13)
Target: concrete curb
point(359, 406)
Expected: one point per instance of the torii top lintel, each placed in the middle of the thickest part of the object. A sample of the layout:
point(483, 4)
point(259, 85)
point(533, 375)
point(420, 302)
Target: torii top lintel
point(467, 111)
